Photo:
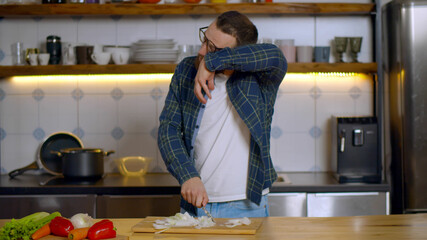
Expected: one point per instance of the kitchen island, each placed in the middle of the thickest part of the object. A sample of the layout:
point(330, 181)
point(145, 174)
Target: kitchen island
point(385, 227)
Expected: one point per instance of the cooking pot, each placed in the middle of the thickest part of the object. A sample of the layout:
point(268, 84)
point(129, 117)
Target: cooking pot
point(45, 160)
point(82, 162)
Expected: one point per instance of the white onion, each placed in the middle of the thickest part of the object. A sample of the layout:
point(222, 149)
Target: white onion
point(183, 220)
point(81, 220)
point(237, 221)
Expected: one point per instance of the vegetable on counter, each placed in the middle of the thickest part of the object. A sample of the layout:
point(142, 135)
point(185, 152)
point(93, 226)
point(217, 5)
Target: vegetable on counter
point(78, 233)
point(81, 220)
point(23, 228)
point(60, 226)
point(102, 230)
point(41, 232)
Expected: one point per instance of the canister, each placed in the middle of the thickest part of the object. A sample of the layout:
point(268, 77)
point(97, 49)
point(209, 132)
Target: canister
point(53, 47)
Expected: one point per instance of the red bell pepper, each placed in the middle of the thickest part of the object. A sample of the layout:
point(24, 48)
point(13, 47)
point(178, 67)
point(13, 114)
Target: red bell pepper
point(102, 230)
point(60, 226)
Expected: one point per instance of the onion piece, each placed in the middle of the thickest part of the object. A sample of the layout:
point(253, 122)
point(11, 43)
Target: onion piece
point(81, 220)
point(183, 220)
point(237, 222)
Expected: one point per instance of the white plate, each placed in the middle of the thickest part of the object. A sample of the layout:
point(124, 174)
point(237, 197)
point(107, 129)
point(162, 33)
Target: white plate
point(157, 50)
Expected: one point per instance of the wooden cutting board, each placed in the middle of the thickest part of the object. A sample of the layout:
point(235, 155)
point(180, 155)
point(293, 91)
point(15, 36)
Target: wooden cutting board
point(146, 226)
point(53, 237)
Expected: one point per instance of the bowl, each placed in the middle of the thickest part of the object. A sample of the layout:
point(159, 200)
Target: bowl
point(133, 165)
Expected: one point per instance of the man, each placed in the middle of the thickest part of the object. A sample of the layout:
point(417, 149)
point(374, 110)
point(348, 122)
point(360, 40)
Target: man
point(214, 132)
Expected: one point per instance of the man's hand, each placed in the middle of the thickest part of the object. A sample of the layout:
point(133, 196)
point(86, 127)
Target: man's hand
point(194, 192)
point(204, 80)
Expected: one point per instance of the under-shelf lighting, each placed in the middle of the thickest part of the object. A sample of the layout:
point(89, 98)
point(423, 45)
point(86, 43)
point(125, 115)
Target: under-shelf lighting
point(95, 77)
point(158, 77)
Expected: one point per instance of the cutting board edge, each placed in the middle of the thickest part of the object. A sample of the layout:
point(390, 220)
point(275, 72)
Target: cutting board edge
point(205, 231)
point(139, 228)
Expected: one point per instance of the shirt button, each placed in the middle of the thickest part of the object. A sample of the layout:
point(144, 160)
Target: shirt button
point(197, 126)
point(203, 106)
point(191, 147)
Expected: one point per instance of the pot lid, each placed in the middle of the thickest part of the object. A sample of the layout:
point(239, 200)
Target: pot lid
point(52, 163)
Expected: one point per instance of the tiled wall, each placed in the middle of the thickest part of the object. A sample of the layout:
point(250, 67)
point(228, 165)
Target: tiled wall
point(121, 114)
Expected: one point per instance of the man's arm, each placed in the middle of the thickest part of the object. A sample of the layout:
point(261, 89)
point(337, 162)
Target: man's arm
point(266, 60)
point(170, 134)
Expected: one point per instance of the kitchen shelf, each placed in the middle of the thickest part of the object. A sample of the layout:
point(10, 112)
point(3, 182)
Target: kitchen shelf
point(9, 71)
point(185, 9)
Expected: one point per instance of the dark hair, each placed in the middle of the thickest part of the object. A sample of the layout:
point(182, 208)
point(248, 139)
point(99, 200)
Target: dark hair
point(238, 26)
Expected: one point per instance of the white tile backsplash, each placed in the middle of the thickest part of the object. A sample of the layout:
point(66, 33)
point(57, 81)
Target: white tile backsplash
point(136, 114)
point(98, 114)
point(19, 114)
point(58, 112)
point(18, 150)
point(293, 152)
point(294, 112)
point(121, 113)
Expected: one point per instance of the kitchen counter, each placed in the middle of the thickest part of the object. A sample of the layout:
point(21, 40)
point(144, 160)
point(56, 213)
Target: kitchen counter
point(164, 183)
point(385, 227)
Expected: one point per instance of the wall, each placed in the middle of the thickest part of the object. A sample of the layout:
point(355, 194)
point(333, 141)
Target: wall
point(121, 114)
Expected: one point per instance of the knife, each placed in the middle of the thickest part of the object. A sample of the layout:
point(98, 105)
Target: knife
point(208, 214)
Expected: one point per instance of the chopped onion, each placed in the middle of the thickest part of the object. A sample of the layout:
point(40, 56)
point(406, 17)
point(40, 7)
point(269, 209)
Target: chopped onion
point(81, 220)
point(183, 220)
point(237, 221)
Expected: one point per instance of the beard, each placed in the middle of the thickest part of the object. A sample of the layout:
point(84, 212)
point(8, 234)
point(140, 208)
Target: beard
point(197, 61)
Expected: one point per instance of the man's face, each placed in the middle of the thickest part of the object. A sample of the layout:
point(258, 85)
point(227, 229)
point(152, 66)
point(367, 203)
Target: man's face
point(217, 38)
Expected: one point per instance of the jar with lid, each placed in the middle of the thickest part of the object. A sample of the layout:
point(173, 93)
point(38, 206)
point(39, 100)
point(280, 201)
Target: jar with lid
point(53, 47)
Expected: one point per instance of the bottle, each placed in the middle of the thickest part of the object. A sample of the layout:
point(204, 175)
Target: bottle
point(53, 47)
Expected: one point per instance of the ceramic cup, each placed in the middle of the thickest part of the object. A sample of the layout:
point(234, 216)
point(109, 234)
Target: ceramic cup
point(304, 54)
point(83, 54)
point(120, 58)
point(30, 51)
point(43, 58)
point(288, 49)
point(101, 58)
point(321, 53)
point(32, 59)
point(289, 52)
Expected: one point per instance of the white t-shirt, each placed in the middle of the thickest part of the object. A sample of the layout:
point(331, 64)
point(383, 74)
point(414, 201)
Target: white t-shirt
point(221, 148)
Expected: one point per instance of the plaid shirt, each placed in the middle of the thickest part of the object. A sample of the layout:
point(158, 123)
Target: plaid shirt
point(258, 71)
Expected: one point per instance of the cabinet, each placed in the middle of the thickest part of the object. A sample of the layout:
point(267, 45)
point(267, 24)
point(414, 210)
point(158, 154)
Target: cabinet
point(136, 206)
point(24, 205)
point(356, 9)
point(347, 204)
point(97, 206)
point(287, 204)
point(328, 204)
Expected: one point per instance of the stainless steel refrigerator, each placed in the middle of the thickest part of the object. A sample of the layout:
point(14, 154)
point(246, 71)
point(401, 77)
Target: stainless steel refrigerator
point(404, 45)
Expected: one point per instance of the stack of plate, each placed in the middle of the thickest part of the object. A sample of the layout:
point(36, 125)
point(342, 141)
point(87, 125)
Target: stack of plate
point(155, 51)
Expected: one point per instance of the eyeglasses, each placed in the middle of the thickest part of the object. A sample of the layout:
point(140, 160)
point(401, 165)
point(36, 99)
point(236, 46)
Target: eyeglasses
point(210, 45)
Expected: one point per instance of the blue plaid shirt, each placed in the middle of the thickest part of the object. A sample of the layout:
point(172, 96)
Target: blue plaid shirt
point(258, 71)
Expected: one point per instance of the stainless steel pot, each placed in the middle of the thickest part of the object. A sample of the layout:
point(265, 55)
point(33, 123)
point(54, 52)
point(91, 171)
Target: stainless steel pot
point(82, 162)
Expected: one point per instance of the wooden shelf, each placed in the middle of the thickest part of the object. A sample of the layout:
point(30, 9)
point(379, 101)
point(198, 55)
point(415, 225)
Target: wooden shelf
point(181, 9)
point(8, 71)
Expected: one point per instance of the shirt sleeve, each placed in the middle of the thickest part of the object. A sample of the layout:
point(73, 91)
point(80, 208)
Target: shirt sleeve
point(266, 60)
point(170, 134)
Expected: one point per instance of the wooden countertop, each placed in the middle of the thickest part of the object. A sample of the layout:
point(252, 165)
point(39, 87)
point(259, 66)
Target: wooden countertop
point(385, 227)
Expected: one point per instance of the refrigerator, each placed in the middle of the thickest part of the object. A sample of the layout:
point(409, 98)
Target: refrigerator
point(404, 51)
